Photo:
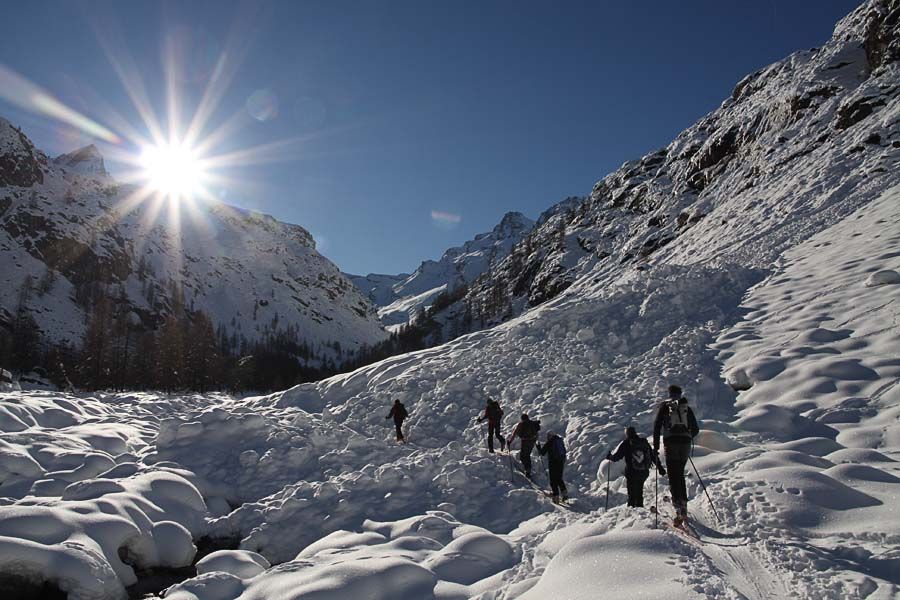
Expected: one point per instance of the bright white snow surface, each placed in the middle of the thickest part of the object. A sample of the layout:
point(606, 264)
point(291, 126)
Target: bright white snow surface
point(801, 465)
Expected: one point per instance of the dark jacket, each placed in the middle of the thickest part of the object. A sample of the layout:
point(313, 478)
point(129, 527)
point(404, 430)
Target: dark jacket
point(492, 412)
point(662, 425)
point(555, 449)
point(626, 451)
point(526, 430)
point(398, 411)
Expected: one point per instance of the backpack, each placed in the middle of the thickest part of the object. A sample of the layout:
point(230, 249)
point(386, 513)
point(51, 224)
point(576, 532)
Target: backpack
point(677, 422)
point(494, 412)
point(641, 455)
point(401, 412)
point(557, 448)
point(530, 429)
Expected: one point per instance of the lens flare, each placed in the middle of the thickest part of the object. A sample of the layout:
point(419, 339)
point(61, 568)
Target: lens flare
point(263, 105)
point(445, 220)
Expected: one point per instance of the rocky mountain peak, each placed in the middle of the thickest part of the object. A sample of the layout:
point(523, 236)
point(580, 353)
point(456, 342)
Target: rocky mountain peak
point(512, 224)
point(21, 165)
point(84, 161)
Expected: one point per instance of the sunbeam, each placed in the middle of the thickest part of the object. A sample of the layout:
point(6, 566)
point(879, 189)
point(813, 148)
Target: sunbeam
point(19, 91)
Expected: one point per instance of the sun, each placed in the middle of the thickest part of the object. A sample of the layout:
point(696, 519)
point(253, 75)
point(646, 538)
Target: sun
point(173, 170)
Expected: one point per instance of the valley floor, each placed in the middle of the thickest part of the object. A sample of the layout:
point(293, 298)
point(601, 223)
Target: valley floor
point(312, 499)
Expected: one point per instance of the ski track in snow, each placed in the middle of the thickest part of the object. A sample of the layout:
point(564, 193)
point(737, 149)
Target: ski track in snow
point(312, 498)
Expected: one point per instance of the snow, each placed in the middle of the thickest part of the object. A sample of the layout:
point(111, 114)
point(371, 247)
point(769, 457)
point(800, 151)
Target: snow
point(591, 563)
point(400, 297)
point(239, 563)
point(788, 358)
point(883, 277)
point(246, 270)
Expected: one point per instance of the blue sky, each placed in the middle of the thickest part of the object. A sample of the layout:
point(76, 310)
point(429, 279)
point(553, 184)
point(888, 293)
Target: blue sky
point(400, 109)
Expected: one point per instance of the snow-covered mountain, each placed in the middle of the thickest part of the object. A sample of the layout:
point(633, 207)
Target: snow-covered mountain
point(76, 232)
point(810, 136)
point(378, 287)
point(401, 297)
point(774, 305)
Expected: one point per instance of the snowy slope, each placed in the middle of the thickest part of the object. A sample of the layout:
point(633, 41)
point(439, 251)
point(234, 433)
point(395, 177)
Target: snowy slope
point(797, 145)
point(377, 287)
point(400, 297)
point(248, 271)
point(784, 336)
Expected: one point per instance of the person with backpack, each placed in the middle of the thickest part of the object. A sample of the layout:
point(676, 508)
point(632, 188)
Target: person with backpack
point(555, 449)
point(676, 422)
point(527, 431)
point(493, 414)
point(398, 412)
point(639, 456)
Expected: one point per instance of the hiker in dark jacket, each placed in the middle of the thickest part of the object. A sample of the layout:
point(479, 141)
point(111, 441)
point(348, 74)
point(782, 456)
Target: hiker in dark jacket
point(527, 431)
point(555, 449)
point(676, 422)
point(398, 412)
point(639, 456)
point(493, 414)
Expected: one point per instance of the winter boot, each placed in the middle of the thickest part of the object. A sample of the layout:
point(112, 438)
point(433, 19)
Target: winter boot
point(555, 499)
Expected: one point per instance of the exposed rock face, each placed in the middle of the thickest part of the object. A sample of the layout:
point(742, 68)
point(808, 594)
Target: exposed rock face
point(63, 222)
point(881, 21)
point(20, 164)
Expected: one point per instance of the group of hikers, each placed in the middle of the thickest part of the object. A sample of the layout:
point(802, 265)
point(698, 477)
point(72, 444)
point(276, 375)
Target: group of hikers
point(675, 423)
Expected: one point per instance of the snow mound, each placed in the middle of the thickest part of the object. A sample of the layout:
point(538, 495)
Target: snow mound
point(883, 277)
point(607, 562)
point(239, 563)
point(418, 557)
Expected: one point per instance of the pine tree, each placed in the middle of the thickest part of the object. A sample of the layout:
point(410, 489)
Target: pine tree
point(144, 366)
point(26, 337)
point(122, 342)
point(96, 349)
point(560, 235)
point(170, 368)
point(201, 356)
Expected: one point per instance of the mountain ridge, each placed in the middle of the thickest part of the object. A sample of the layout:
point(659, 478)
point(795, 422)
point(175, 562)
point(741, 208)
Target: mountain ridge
point(401, 297)
point(68, 222)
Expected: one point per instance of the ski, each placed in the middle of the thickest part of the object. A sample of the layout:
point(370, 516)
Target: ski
point(679, 526)
point(566, 504)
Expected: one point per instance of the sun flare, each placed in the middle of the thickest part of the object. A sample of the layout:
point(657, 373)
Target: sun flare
point(173, 170)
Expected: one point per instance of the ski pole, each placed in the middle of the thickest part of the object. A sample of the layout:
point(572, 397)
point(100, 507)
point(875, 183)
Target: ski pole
point(700, 479)
point(512, 478)
point(608, 471)
point(483, 434)
point(544, 466)
point(656, 497)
